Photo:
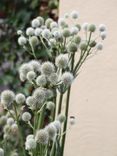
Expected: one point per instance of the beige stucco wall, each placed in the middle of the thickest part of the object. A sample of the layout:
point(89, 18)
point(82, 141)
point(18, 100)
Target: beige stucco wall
point(94, 93)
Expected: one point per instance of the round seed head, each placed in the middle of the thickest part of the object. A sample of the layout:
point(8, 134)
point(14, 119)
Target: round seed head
point(35, 23)
point(31, 75)
point(36, 66)
point(61, 118)
point(83, 46)
point(74, 14)
point(30, 31)
point(53, 78)
point(99, 46)
point(47, 68)
point(72, 47)
point(66, 32)
point(20, 98)
point(77, 39)
point(50, 105)
point(92, 28)
point(33, 40)
point(102, 27)
point(51, 129)
point(22, 40)
point(26, 116)
point(67, 78)
point(39, 95)
point(38, 31)
point(41, 80)
point(46, 33)
point(42, 137)
point(61, 61)
point(30, 101)
point(30, 144)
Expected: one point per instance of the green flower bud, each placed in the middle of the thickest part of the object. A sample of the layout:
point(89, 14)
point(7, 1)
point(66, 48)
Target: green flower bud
point(92, 28)
point(72, 47)
point(77, 39)
point(83, 46)
point(92, 44)
point(66, 32)
point(78, 26)
point(33, 40)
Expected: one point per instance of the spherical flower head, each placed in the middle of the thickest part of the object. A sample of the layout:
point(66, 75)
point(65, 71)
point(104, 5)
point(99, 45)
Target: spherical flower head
point(25, 68)
point(103, 35)
point(35, 23)
point(48, 22)
point(14, 128)
point(74, 14)
point(57, 124)
point(72, 47)
point(50, 105)
point(62, 61)
point(30, 144)
point(3, 120)
point(33, 40)
point(41, 20)
point(83, 46)
point(53, 25)
point(66, 32)
point(30, 136)
point(26, 116)
point(57, 34)
point(67, 78)
point(102, 27)
point(10, 121)
point(47, 68)
point(30, 101)
point(52, 42)
point(48, 93)
point(31, 76)
point(41, 80)
point(66, 15)
point(92, 44)
point(42, 137)
point(46, 33)
point(92, 28)
point(85, 26)
point(7, 97)
point(61, 118)
point(53, 78)
point(30, 31)
point(22, 40)
point(38, 31)
point(74, 30)
point(61, 22)
point(99, 46)
point(51, 129)
point(35, 65)
point(39, 95)
point(19, 32)
point(20, 98)
point(77, 39)
point(22, 77)
point(1, 152)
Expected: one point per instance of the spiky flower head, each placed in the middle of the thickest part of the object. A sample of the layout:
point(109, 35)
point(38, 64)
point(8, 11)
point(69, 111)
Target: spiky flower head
point(41, 80)
point(10, 121)
point(33, 40)
point(42, 137)
point(26, 116)
point(61, 61)
point(47, 68)
point(31, 101)
point(22, 40)
point(61, 118)
point(7, 97)
point(77, 39)
point(67, 78)
point(51, 129)
point(50, 105)
point(66, 32)
point(39, 95)
point(48, 22)
point(30, 31)
point(20, 98)
point(48, 93)
point(30, 144)
point(25, 68)
point(38, 31)
point(35, 65)
point(35, 23)
point(53, 78)
point(31, 75)
point(1, 152)
point(72, 47)
point(61, 22)
point(46, 33)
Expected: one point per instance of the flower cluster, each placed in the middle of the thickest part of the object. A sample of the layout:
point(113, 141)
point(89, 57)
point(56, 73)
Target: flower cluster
point(51, 78)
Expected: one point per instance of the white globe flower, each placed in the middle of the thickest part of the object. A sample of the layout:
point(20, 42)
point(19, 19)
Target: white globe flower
point(67, 78)
point(19, 32)
point(52, 42)
point(74, 30)
point(31, 75)
point(30, 31)
point(46, 33)
point(42, 136)
point(7, 97)
point(41, 80)
point(57, 34)
point(53, 78)
point(50, 105)
point(25, 68)
point(36, 66)
point(33, 40)
point(102, 27)
point(10, 121)
point(72, 120)
point(30, 136)
point(47, 68)
point(22, 40)
point(53, 25)
point(57, 124)
point(39, 95)
point(61, 22)
point(35, 23)
point(26, 116)
point(38, 31)
point(52, 131)
point(20, 98)
point(30, 101)
point(30, 144)
point(61, 61)
point(74, 14)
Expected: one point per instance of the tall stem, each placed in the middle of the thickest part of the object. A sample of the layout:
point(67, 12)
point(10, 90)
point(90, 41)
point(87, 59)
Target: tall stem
point(60, 103)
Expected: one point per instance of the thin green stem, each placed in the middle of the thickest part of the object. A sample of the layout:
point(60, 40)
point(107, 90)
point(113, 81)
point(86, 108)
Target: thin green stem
point(60, 103)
